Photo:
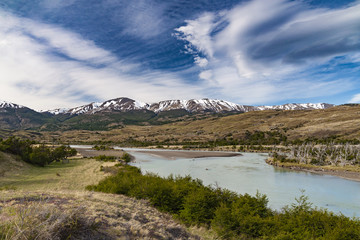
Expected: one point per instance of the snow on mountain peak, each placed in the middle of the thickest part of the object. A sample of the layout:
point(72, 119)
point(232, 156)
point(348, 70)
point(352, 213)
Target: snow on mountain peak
point(5, 104)
point(296, 106)
point(192, 105)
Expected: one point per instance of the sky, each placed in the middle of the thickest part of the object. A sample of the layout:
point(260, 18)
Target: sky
point(66, 53)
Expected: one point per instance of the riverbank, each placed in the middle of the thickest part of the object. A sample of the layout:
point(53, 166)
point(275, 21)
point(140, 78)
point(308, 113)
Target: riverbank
point(348, 172)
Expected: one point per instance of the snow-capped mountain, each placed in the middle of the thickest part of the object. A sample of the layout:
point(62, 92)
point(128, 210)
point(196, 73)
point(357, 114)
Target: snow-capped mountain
point(118, 104)
point(192, 106)
point(200, 105)
point(296, 106)
point(5, 104)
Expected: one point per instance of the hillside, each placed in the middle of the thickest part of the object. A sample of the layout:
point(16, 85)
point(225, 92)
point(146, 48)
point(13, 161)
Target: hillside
point(120, 112)
point(341, 122)
point(57, 205)
point(12, 166)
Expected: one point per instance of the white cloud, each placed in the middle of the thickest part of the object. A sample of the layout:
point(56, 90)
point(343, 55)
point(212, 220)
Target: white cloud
point(197, 33)
point(269, 50)
point(201, 62)
point(43, 66)
point(355, 98)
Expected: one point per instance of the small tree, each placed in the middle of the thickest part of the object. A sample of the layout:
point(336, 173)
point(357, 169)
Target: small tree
point(126, 157)
point(62, 152)
point(40, 156)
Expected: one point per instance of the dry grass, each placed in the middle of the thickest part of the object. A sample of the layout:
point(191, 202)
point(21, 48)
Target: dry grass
point(58, 215)
point(75, 175)
point(11, 165)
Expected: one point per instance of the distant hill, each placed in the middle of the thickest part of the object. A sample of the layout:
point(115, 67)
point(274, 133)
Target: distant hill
point(339, 122)
point(13, 116)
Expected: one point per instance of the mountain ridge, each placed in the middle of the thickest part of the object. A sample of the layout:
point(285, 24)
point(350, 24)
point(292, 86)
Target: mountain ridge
point(124, 104)
point(118, 112)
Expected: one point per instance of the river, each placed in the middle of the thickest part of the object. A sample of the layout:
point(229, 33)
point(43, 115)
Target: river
point(249, 173)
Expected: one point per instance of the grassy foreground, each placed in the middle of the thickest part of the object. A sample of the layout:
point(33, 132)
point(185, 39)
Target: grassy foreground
point(74, 175)
point(51, 203)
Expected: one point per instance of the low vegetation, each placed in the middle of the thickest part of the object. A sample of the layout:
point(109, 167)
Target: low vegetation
point(34, 219)
point(39, 155)
point(105, 158)
point(83, 215)
point(102, 147)
point(231, 215)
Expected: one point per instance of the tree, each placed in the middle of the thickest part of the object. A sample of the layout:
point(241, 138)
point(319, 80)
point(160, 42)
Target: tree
point(62, 152)
point(40, 156)
point(126, 157)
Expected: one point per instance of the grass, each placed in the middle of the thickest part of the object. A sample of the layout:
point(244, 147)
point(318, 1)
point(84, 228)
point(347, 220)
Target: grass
point(51, 203)
point(74, 175)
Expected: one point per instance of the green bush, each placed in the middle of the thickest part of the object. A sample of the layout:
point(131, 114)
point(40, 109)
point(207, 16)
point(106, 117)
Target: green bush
point(231, 215)
point(199, 207)
point(105, 158)
point(40, 155)
point(126, 157)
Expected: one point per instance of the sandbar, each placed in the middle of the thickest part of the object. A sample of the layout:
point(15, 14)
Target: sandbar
point(189, 154)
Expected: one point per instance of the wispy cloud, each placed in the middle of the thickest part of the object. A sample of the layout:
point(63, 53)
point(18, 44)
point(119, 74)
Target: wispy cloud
point(140, 18)
point(45, 66)
point(269, 51)
point(355, 98)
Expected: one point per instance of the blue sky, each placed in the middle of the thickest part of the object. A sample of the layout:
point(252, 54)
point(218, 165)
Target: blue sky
point(64, 53)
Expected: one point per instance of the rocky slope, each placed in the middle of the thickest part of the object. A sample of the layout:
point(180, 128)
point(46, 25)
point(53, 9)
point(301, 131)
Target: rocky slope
point(14, 116)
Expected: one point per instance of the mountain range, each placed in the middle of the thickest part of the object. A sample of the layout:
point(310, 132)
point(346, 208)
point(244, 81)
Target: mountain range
point(191, 106)
point(123, 111)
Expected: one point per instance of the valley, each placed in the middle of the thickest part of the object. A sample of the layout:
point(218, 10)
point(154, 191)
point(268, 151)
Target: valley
point(302, 137)
point(260, 127)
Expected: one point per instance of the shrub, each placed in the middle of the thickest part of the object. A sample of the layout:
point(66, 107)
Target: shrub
point(231, 215)
point(105, 158)
point(127, 157)
point(40, 156)
point(199, 207)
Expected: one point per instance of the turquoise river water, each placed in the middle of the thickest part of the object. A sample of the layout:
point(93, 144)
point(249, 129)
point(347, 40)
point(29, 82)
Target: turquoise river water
point(249, 173)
